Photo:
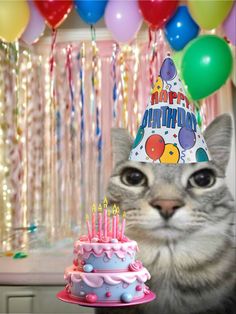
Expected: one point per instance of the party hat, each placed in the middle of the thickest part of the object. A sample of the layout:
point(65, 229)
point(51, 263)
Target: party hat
point(169, 132)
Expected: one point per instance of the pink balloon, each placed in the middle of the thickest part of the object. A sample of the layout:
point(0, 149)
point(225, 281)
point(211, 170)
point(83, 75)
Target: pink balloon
point(123, 19)
point(35, 27)
point(229, 25)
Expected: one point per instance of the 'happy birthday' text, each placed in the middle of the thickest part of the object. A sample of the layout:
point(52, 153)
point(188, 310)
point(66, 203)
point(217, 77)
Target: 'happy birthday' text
point(166, 116)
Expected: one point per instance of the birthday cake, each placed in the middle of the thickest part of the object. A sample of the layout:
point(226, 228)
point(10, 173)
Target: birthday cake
point(105, 268)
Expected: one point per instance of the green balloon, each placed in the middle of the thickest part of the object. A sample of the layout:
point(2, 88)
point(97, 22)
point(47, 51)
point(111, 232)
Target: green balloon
point(206, 65)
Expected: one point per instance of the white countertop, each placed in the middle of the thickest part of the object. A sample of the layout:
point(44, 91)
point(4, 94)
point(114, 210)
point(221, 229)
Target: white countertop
point(45, 267)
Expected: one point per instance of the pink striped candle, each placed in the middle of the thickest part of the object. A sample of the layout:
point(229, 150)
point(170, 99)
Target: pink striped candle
point(105, 203)
point(114, 227)
point(117, 221)
point(108, 222)
point(88, 227)
point(114, 222)
point(93, 220)
point(105, 222)
point(123, 226)
point(100, 221)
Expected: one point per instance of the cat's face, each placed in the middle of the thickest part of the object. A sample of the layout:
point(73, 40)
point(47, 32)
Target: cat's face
point(171, 201)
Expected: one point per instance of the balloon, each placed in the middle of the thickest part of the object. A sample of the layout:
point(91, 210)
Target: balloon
point(206, 65)
point(155, 146)
point(229, 25)
point(14, 16)
point(201, 155)
point(170, 155)
point(123, 19)
point(139, 137)
point(181, 28)
point(187, 138)
point(168, 70)
point(35, 27)
point(209, 14)
point(54, 11)
point(90, 11)
point(157, 12)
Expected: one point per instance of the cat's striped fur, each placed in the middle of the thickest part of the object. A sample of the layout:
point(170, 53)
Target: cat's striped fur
point(192, 262)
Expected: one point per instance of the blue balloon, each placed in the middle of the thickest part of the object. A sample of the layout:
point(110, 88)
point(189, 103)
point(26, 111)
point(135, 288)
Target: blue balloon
point(181, 28)
point(90, 11)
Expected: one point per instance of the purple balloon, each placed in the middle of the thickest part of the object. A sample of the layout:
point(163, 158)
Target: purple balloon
point(168, 70)
point(229, 25)
point(123, 19)
point(35, 27)
point(187, 138)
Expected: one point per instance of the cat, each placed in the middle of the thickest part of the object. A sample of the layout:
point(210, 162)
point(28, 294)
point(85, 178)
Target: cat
point(182, 218)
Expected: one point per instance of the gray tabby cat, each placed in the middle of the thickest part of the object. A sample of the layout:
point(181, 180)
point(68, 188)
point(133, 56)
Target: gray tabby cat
point(182, 218)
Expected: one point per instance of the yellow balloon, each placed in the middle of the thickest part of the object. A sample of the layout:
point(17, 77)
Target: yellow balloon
point(210, 13)
point(14, 17)
point(158, 85)
point(170, 155)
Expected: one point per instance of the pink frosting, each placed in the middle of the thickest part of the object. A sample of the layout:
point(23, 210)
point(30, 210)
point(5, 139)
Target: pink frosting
point(135, 266)
point(96, 280)
point(84, 249)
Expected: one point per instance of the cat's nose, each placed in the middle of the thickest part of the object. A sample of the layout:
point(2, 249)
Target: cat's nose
point(167, 208)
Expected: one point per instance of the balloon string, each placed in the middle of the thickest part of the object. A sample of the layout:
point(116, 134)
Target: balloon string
point(52, 51)
point(114, 77)
point(81, 59)
point(153, 55)
point(183, 155)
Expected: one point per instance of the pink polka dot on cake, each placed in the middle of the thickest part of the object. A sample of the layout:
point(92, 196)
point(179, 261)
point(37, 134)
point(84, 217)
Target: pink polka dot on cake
point(108, 294)
point(139, 288)
point(91, 297)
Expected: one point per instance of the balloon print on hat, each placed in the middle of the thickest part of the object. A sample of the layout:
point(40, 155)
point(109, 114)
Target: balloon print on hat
point(181, 28)
point(201, 155)
point(168, 70)
point(90, 11)
point(155, 146)
point(170, 155)
point(186, 138)
point(123, 19)
point(139, 137)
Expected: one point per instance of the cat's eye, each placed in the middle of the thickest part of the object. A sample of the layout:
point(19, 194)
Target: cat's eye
point(203, 178)
point(133, 176)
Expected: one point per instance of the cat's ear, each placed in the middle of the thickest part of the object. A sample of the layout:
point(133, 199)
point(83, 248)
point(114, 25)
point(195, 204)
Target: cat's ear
point(218, 138)
point(121, 144)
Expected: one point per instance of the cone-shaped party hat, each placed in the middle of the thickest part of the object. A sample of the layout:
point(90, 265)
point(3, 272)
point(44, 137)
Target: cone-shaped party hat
point(169, 132)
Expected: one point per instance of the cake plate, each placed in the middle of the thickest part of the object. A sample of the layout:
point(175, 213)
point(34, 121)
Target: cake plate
point(65, 297)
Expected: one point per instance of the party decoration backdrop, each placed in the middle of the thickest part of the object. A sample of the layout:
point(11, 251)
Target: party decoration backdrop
point(55, 126)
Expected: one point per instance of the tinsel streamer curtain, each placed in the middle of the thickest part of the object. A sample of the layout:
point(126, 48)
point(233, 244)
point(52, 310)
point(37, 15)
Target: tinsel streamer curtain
point(56, 154)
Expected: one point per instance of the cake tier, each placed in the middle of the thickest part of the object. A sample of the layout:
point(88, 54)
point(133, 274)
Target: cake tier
point(107, 287)
point(104, 256)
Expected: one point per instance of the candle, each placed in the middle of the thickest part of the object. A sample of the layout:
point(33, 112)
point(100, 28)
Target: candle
point(117, 220)
point(105, 203)
point(88, 227)
point(100, 221)
point(108, 221)
point(114, 222)
point(123, 225)
point(93, 220)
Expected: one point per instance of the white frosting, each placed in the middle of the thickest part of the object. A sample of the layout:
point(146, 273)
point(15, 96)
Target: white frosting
point(96, 280)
